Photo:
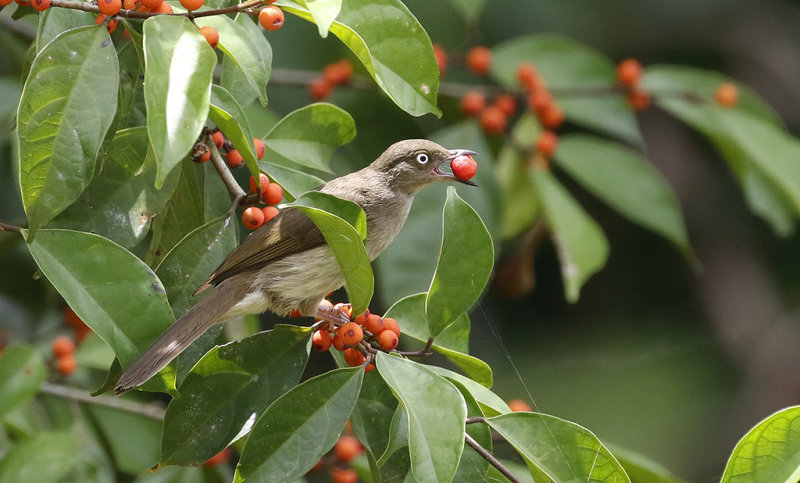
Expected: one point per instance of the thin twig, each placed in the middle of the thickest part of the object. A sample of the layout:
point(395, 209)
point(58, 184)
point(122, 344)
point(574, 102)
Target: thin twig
point(236, 191)
point(92, 7)
point(147, 410)
point(425, 351)
point(477, 419)
point(490, 458)
point(10, 228)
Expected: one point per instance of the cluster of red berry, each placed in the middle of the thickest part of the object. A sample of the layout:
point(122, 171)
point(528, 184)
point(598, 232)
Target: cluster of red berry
point(337, 73)
point(271, 194)
point(629, 76)
point(346, 449)
point(63, 350)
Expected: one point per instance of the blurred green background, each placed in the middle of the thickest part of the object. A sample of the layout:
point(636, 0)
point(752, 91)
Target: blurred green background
point(654, 357)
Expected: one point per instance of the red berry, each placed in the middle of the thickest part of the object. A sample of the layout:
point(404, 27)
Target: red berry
point(110, 26)
point(347, 448)
point(338, 73)
point(218, 138)
point(547, 142)
point(518, 405)
point(629, 72)
point(464, 167)
point(344, 475)
point(42, 5)
point(63, 346)
point(472, 103)
point(191, 4)
point(391, 324)
point(527, 74)
point(108, 7)
point(271, 17)
point(264, 183)
point(493, 120)
point(22, 3)
point(388, 340)
point(72, 319)
point(152, 4)
point(539, 100)
point(727, 95)
point(261, 150)
point(351, 333)
point(506, 103)
point(639, 99)
point(66, 364)
point(218, 459)
point(353, 357)
point(203, 157)
point(370, 367)
point(273, 194)
point(131, 4)
point(234, 158)
point(211, 35)
point(479, 59)
point(373, 323)
point(270, 212)
point(321, 340)
point(253, 217)
point(338, 342)
point(320, 88)
point(552, 116)
point(441, 58)
point(165, 8)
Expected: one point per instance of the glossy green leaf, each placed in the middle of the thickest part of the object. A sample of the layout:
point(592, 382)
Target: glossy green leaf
point(392, 45)
point(324, 13)
point(22, 371)
point(561, 449)
point(436, 416)
point(641, 468)
point(294, 182)
point(398, 434)
point(567, 65)
point(243, 43)
point(299, 427)
point(624, 179)
point(228, 115)
point(43, 457)
point(344, 226)
point(111, 290)
point(230, 386)
point(309, 135)
point(57, 20)
point(67, 105)
point(372, 416)
point(179, 65)
point(770, 451)
point(452, 343)
point(473, 467)
point(123, 431)
point(121, 200)
point(465, 263)
point(582, 247)
point(490, 403)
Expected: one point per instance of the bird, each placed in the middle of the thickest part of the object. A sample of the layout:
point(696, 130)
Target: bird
point(286, 265)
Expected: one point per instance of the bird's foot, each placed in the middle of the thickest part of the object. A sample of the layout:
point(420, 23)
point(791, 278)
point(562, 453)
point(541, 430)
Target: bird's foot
point(335, 316)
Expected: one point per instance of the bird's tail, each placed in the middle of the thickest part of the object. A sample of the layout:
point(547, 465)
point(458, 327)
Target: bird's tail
point(179, 336)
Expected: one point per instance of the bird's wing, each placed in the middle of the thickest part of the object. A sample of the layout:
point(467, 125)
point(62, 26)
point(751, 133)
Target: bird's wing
point(291, 231)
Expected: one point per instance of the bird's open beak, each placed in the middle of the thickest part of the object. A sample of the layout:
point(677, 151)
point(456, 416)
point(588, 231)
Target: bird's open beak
point(452, 154)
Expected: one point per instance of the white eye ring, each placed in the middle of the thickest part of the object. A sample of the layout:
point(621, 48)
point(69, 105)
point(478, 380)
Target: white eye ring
point(422, 158)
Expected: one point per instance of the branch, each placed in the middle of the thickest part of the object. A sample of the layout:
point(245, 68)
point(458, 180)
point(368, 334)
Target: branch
point(490, 458)
point(91, 7)
point(10, 228)
point(236, 191)
point(425, 351)
point(147, 410)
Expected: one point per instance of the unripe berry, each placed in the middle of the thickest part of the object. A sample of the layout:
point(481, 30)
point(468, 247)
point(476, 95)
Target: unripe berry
point(218, 459)
point(234, 158)
point(546, 143)
point(479, 59)
point(441, 58)
point(493, 121)
point(639, 99)
point(108, 7)
point(353, 357)
point(270, 212)
point(63, 346)
point(211, 35)
point(351, 333)
point(391, 324)
point(271, 17)
point(151, 4)
point(629, 72)
point(373, 323)
point(472, 103)
point(552, 116)
point(727, 95)
point(338, 342)
point(264, 183)
point(42, 5)
point(344, 475)
point(191, 4)
point(464, 167)
point(218, 138)
point(388, 340)
point(347, 448)
point(338, 73)
point(253, 217)
point(506, 103)
point(67, 364)
point(320, 88)
point(518, 405)
point(321, 340)
point(273, 194)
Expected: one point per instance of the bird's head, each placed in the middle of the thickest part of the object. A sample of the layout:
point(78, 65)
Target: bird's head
point(415, 163)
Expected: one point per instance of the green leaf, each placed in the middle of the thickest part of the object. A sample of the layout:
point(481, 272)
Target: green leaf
point(473, 467)
point(624, 179)
point(243, 43)
point(230, 385)
point(521, 207)
point(582, 246)
point(43, 457)
point(228, 115)
point(111, 290)
point(465, 262)
point(392, 45)
point(567, 65)
point(67, 105)
point(344, 226)
point(372, 416)
point(641, 468)
point(299, 427)
point(293, 181)
point(398, 434)
point(122, 431)
point(436, 416)
point(309, 135)
point(563, 450)
point(324, 13)
point(21, 373)
point(120, 201)
point(770, 451)
point(179, 65)
point(54, 21)
point(490, 402)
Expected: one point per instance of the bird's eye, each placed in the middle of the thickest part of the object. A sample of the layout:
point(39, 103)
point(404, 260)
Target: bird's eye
point(422, 158)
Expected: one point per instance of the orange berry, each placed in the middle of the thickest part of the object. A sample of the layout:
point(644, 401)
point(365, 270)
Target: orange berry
point(72, 319)
point(361, 319)
point(253, 217)
point(24, 3)
point(727, 95)
point(472, 103)
point(261, 150)
point(3, 3)
point(234, 158)
point(369, 368)
point(479, 59)
point(270, 212)
point(347, 309)
point(164, 8)
point(152, 4)
point(273, 194)
point(338, 73)
point(108, 7)
point(110, 26)
point(218, 138)
point(629, 72)
point(506, 103)
point(131, 4)
point(218, 459)
point(321, 340)
point(552, 117)
point(391, 324)
point(344, 475)
point(388, 340)
point(493, 120)
point(353, 357)
point(547, 142)
point(539, 100)
point(518, 405)
point(338, 342)
point(271, 17)
point(42, 5)
point(527, 74)
point(326, 302)
point(63, 346)
point(351, 333)
point(347, 448)
point(441, 58)
point(264, 183)
point(66, 364)
point(639, 99)
point(211, 35)
point(191, 4)
point(373, 323)
point(203, 157)
point(320, 88)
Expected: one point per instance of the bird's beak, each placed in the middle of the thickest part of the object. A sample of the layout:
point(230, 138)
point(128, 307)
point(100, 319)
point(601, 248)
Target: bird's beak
point(448, 175)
